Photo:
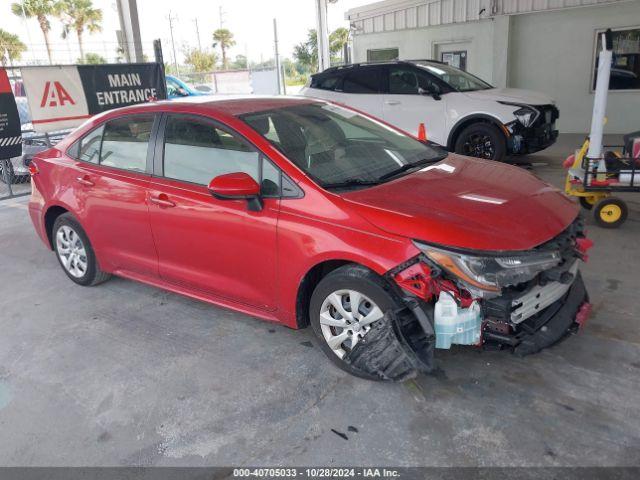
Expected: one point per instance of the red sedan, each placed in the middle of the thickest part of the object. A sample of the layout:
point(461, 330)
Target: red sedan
point(304, 212)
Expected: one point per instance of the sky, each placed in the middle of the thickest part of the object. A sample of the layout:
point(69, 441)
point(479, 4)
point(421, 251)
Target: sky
point(251, 22)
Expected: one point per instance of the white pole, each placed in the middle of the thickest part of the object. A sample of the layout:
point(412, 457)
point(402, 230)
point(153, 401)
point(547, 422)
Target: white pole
point(324, 60)
point(173, 45)
point(600, 100)
point(275, 41)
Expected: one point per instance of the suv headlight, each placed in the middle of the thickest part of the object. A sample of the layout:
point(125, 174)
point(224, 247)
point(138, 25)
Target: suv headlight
point(526, 114)
point(492, 273)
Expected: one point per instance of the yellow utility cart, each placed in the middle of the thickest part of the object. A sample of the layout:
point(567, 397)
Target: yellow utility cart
point(595, 180)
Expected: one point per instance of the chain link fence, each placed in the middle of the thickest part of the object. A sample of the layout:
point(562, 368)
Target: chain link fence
point(13, 184)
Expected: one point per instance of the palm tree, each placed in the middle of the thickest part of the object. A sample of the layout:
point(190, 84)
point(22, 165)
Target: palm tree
point(40, 9)
point(224, 38)
point(11, 44)
point(79, 15)
point(337, 40)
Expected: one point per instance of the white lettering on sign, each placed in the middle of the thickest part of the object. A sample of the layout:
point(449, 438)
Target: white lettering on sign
point(118, 97)
point(124, 80)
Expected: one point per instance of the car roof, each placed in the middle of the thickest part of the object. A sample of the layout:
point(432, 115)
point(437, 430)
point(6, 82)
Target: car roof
point(340, 68)
point(234, 105)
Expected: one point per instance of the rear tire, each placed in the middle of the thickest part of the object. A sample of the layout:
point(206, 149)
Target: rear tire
point(377, 353)
point(8, 177)
point(482, 140)
point(75, 253)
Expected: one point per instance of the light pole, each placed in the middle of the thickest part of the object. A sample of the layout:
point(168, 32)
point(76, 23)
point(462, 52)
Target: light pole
point(26, 26)
point(173, 45)
point(324, 59)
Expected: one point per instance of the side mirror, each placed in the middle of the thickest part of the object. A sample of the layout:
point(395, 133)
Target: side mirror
point(432, 90)
point(237, 186)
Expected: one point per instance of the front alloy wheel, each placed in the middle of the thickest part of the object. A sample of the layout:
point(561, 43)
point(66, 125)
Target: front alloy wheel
point(352, 315)
point(345, 318)
point(482, 140)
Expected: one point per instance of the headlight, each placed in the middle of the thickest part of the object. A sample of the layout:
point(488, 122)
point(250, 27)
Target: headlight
point(526, 115)
point(492, 273)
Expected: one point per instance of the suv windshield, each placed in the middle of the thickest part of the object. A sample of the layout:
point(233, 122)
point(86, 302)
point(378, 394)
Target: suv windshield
point(340, 148)
point(454, 77)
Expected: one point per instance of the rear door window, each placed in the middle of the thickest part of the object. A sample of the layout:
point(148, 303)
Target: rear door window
point(125, 142)
point(363, 80)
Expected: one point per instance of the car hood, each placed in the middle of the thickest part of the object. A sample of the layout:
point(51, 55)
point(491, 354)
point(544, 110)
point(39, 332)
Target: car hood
point(513, 95)
point(467, 203)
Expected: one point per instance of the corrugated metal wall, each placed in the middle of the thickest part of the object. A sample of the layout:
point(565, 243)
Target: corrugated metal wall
point(404, 15)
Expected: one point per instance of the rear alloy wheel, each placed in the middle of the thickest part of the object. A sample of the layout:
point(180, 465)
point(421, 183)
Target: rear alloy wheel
point(481, 140)
point(71, 251)
point(74, 252)
point(351, 315)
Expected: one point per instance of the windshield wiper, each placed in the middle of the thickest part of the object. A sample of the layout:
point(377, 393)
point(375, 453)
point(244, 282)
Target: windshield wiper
point(408, 166)
point(350, 182)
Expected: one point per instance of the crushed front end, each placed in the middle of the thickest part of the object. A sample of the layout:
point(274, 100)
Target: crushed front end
point(534, 130)
point(523, 301)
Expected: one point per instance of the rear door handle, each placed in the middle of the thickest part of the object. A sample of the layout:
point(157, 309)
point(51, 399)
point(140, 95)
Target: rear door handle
point(85, 180)
point(162, 200)
point(392, 102)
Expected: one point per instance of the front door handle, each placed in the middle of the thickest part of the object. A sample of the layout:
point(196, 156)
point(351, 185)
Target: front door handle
point(85, 180)
point(162, 200)
point(392, 102)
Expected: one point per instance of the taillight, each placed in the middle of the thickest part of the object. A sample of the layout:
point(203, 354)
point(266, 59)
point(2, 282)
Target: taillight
point(33, 169)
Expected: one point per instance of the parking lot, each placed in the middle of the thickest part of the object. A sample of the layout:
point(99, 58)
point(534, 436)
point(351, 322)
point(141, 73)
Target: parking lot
point(126, 374)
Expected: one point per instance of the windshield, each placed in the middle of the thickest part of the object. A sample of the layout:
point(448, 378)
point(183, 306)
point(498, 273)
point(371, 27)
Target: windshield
point(337, 147)
point(454, 77)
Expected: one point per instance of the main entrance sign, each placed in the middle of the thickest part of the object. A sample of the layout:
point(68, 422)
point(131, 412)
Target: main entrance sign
point(63, 97)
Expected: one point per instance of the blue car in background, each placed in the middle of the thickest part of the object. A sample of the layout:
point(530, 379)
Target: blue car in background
point(176, 88)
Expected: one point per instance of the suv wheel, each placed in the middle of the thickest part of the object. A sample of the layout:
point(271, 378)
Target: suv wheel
point(350, 316)
point(74, 252)
point(481, 140)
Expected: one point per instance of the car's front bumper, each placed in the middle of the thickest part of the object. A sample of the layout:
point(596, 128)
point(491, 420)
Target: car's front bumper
point(542, 134)
point(549, 326)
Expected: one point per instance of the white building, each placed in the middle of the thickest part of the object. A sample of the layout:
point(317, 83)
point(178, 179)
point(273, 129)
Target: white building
point(544, 45)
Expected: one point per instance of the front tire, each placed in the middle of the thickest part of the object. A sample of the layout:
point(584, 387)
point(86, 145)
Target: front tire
point(482, 140)
point(75, 253)
point(350, 313)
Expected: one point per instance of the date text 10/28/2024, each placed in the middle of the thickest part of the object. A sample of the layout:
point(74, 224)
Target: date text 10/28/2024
point(319, 472)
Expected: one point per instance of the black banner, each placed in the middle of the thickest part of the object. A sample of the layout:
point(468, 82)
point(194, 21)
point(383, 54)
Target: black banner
point(111, 86)
point(10, 127)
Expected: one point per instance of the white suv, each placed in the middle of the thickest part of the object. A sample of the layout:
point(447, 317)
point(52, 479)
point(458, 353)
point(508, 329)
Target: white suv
point(459, 111)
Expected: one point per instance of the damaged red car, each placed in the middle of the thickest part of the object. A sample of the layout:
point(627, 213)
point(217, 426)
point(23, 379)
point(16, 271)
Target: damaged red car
point(304, 212)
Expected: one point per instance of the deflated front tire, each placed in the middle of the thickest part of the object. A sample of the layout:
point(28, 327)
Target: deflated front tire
point(353, 314)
